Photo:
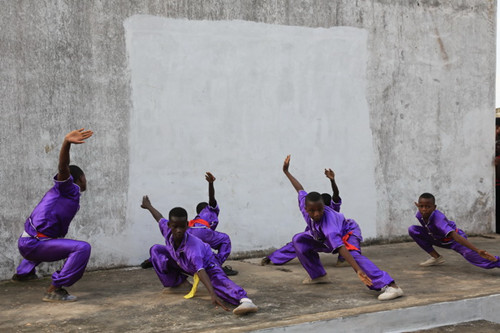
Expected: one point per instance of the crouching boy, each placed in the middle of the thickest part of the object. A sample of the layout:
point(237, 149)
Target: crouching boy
point(184, 254)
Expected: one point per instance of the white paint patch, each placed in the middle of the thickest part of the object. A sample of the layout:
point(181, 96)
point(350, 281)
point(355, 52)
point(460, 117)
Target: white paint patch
point(234, 98)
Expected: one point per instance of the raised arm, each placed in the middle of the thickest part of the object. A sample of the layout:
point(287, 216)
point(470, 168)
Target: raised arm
point(146, 204)
point(461, 240)
point(73, 137)
point(211, 190)
point(295, 183)
point(331, 175)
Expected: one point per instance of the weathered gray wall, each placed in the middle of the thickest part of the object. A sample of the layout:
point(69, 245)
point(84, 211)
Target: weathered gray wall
point(433, 94)
point(63, 65)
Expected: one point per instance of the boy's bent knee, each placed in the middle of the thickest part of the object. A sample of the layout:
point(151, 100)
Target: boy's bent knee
point(413, 230)
point(297, 238)
point(84, 247)
point(155, 249)
point(217, 235)
point(301, 238)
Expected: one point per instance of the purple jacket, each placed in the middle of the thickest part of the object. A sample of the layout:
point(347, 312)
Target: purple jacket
point(54, 212)
point(192, 255)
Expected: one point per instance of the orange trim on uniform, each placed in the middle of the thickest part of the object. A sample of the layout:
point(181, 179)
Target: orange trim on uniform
point(348, 246)
point(200, 221)
point(448, 239)
point(39, 234)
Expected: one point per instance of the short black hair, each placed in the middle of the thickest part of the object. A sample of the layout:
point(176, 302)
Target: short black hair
point(428, 196)
point(327, 198)
point(313, 197)
point(201, 206)
point(75, 172)
point(177, 212)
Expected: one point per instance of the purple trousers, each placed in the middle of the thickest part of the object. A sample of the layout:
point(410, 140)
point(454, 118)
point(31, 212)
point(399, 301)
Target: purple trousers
point(34, 251)
point(286, 253)
point(171, 275)
point(426, 242)
point(283, 255)
point(307, 249)
point(217, 240)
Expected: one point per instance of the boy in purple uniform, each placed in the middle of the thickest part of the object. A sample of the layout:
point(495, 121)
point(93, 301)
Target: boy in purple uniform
point(437, 230)
point(184, 254)
point(204, 224)
point(286, 253)
point(330, 232)
point(42, 239)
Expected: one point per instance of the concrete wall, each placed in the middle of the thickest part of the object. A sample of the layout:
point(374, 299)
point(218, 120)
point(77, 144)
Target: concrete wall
point(424, 118)
point(234, 97)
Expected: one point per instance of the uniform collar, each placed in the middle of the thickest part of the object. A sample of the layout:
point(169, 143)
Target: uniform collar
point(420, 218)
point(182, 245)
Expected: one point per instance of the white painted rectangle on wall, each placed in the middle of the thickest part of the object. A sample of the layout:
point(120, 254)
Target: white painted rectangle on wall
point(234, 98)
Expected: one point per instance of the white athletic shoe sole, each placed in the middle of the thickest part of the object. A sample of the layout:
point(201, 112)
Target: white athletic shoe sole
point(433, 262)
point(244, 308)
point(390, 293)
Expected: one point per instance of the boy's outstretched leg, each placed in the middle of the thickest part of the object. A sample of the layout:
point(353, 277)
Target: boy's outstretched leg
point(474, 258)
point(230, 292)
point(381, 280)
point(280, 256)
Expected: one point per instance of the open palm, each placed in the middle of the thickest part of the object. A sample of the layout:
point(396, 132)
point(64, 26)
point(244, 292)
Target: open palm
point(78, 136)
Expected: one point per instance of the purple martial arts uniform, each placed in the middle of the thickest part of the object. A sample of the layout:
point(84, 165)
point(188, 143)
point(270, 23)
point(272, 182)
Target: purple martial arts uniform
point(217, 240)
point(436, 233)
point(328, 235)
point(42, 240)
point(172, 265)
point(286, 253)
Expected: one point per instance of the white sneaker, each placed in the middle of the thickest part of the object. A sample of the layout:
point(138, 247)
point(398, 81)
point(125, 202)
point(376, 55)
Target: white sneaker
point(433, 261)
point(390, 293)
point(321, 279)
point(245, 307)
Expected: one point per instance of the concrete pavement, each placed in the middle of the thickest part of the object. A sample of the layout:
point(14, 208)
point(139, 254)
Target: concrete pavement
point(133, 300)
